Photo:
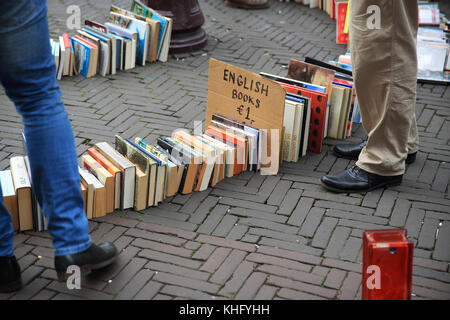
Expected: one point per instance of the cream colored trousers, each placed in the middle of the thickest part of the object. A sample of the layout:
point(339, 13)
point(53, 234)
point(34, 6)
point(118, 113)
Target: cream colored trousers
point(383, 37)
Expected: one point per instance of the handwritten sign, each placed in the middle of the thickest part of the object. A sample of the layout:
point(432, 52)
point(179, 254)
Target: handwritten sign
point(249, 98)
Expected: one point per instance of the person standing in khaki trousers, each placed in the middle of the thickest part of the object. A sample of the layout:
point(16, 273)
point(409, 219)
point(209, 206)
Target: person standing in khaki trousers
point(383, 37)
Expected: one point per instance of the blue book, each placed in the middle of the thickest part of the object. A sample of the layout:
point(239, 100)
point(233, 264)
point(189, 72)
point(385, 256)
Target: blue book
point(82, 53)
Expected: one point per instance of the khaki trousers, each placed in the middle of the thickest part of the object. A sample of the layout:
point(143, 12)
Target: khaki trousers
point(383, 37)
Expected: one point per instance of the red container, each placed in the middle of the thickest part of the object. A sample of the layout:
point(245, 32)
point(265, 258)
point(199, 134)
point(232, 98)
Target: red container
point(387, 265)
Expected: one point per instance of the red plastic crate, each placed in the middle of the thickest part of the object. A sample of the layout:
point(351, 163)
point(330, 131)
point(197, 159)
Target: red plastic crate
point(387, 265)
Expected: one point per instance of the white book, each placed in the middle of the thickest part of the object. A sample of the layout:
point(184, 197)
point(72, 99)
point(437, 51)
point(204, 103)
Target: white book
point(22, 186)
point(62, 57)
point(128, 172)
point(297, 131)
point(288, 124)
point(229, 157)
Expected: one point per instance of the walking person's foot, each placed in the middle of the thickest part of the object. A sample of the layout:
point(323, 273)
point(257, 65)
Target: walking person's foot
point(10, 277)
point(95, 257)
point(352, 151)
point(356, 180)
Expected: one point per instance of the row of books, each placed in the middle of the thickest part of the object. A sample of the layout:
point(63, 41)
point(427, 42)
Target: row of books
point(135, 174)
point(128, 38)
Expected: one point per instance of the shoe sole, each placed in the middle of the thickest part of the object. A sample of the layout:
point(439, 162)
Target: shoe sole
point(245, 6)
point(11, 286)
point(86, 269)
point(388, 184)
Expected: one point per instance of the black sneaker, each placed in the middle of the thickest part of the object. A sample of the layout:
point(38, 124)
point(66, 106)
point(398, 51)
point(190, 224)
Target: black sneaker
point(10, 277)
point(96, 257)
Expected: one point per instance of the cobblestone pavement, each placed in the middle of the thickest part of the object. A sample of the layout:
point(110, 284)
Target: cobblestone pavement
point(251, 236)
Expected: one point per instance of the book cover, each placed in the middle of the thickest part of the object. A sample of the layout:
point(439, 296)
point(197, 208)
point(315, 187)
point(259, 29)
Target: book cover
point(125, 19)
point(82, 56)
point(128, 170)
point(22, 186)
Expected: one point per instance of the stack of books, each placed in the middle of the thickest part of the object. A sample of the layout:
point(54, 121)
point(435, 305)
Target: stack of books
point(128, 38)
point(320, 103)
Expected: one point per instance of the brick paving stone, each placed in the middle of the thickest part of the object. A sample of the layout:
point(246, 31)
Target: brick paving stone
point(169, 230)
point(339, 264)
point(323, 232)
point(226, 243)
point(351, 249)
point(277, 261)
point(300, 286)
point(296, 295)
point(204, 252)
point(292, 274)
point(186, 282)
point(135, 285)
point(277, 235)
point(251, 286)
point(428, 233)
point(186, 293)
point(158, 237)
point(214, 261)
point(142, 243)
point(430, 273)
point(280, 191)
point(202, 211)
point(213, 219)
point(178, 270)
point(300, 212)
point(237, 232)
point(430, 283)
point(148, 291)
point(350, 286)
point(414, 222)
point(225, 226)
point(400, 213)
point(312, 221)
point(289, 202)
point(442, 248)
point(31, 289)
point(228, 266)
point(248, 204)
point(430, 293)
point(337, 242)
point(266, 293)
point(44, 295)
point(432, 264)
point(386, 203)
point(335, 278)
point(125, 275)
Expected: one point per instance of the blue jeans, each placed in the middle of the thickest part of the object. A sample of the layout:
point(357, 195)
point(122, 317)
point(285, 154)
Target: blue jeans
point(28, 74)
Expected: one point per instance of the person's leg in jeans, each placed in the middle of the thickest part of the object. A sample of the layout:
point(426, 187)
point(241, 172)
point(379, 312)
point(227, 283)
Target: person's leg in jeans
point(28, 74)
point(384, 64)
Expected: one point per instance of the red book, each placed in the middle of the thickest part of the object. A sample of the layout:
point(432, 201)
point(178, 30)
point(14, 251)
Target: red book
point(341, 12)
point(318, 105)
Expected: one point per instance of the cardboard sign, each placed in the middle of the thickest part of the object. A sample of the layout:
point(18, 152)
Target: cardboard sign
point(251, 99)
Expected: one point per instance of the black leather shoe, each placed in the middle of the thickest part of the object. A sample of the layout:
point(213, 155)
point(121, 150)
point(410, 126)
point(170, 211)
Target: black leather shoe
point(10, 278)
point(96, 257)
point(352, 151)
point(355, 180)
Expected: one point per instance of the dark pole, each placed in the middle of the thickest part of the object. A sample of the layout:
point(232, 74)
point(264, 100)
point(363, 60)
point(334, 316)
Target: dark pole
point(187, 33)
